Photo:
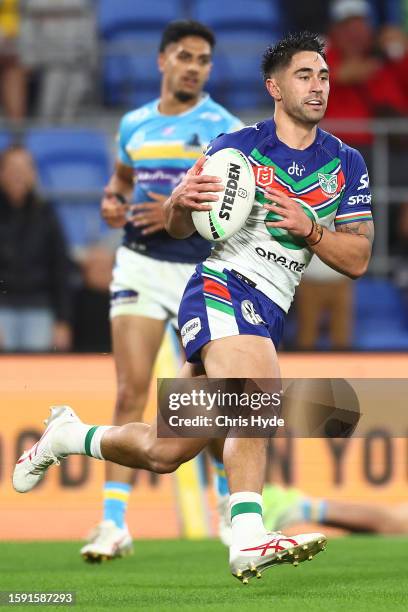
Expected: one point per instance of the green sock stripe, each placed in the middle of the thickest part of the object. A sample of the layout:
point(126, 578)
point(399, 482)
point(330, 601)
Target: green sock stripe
point(245, 507)
point(88, 440)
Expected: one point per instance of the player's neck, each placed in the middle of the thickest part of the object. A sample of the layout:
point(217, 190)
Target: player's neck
point(170, 105)
point(294, 135)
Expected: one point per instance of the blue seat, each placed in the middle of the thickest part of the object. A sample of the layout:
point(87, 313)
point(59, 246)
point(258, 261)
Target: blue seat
point(73, 165)
point(380, 316)
point(131, 33)
point(257, 15)
point(6, 139)
point(130, 73)
point(117, 15)
point(241, 85)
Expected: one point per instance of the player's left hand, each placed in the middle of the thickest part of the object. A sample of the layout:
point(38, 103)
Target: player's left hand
point(150, 215)
point(294, 219)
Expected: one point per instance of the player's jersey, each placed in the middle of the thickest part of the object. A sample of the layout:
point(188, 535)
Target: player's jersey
point(161, 148)
point(328, 179)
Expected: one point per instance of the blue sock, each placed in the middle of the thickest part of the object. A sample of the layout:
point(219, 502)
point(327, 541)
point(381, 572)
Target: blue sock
point(221, 483)
point(115, 502)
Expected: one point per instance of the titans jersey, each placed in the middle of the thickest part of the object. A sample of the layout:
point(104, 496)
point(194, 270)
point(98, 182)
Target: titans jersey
point(160, 149)
point(328, 179)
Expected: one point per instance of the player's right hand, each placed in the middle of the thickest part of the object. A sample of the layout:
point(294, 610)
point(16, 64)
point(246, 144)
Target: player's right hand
point(113, 211)
point(196, 188)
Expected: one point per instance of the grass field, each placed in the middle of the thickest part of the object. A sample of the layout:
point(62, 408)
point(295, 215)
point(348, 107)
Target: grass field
point(355, 573)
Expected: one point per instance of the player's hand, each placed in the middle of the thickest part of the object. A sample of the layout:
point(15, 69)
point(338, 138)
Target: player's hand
point(192, 192)
point(112, 210)
point(149, 215)
point(294, 219)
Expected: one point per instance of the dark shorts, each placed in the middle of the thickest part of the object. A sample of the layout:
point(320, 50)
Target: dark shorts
point(221, 304)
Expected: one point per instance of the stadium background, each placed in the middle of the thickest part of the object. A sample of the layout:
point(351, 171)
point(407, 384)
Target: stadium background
point(74, 153)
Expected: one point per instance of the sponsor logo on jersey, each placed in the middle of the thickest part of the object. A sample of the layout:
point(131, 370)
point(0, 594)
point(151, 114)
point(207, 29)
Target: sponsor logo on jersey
point(296, 170)
point(190, 330)
point(263, 175)
point(249, 313)
point(285, 262)
point(328, 182)
point(193, 143)
point(359, 199)
point(364, 182)
point(230, 193)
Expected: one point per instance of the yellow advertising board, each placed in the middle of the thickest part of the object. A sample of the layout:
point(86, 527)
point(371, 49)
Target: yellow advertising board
point(68, 502)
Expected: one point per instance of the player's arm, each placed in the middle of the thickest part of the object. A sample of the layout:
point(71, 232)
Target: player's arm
point(191, 194)
point(117, 195)
point(347, 250)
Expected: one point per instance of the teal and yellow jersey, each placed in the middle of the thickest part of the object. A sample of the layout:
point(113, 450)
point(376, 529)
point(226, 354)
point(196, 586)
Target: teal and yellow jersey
point(160, 149)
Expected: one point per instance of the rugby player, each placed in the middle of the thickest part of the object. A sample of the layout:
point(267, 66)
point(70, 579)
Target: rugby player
point(293, 218)
point(158, 143)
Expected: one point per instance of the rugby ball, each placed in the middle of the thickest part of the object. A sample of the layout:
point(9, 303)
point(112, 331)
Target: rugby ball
point(230, 212)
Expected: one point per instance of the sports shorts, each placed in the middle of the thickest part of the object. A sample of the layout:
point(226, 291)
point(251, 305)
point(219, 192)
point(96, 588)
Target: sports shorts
point(220, 304)
point(147, 287)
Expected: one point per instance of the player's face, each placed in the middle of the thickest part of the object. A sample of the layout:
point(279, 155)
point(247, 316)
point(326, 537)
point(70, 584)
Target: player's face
point(186, 67)
point(303, 87)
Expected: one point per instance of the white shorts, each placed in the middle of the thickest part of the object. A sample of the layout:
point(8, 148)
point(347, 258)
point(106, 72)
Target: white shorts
point(147, 287)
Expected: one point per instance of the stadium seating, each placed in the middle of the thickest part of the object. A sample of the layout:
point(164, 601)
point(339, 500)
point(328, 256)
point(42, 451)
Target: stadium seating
point(73, 166)
point(6, 138)
point(138, 15)
point(239, 54)
point(244, 30)
point(259, 16)
point(380, 316)
point(130, 34)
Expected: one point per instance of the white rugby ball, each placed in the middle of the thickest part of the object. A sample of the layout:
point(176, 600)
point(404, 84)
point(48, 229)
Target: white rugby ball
point(229, 214)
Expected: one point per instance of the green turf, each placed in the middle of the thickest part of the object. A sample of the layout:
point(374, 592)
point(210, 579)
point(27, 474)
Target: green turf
point(354, 574)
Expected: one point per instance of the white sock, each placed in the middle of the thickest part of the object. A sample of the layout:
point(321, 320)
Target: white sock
point(79, 439)
point(246, 518)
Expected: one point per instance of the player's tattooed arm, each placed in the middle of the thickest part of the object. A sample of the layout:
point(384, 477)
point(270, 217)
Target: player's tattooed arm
point(347, 250)
point(365, 228)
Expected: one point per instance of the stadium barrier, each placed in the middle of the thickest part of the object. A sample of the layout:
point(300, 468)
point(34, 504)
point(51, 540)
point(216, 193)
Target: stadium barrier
point(68, 502)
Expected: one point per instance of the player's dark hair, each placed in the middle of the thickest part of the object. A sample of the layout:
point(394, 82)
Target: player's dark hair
point(176, 30)
point(280, 55)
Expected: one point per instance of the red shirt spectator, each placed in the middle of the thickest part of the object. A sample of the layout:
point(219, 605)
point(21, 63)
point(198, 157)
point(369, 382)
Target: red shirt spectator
point(363, 86)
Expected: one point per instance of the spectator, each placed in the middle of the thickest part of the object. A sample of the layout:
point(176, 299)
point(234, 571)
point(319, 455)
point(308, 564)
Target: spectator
point(365, 84)
point(34, 285)
point(324, 298)
point(13, 76)
point(58, 41)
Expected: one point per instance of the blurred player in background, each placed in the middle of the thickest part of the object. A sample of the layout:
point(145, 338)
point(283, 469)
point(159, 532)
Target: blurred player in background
point(332, 174)
point(285, 507)
point(158, 143)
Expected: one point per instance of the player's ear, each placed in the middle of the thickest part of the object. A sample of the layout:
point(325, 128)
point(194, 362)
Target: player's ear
point(273, 89)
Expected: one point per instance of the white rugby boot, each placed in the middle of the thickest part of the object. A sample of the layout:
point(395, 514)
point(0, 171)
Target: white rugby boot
point(106, 542)
point(273, 549)
point(33, 463)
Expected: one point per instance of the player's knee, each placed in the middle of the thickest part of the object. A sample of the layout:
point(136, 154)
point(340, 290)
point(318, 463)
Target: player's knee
point(131, 399)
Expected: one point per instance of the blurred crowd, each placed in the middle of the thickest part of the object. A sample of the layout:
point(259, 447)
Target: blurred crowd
point(61, 60)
